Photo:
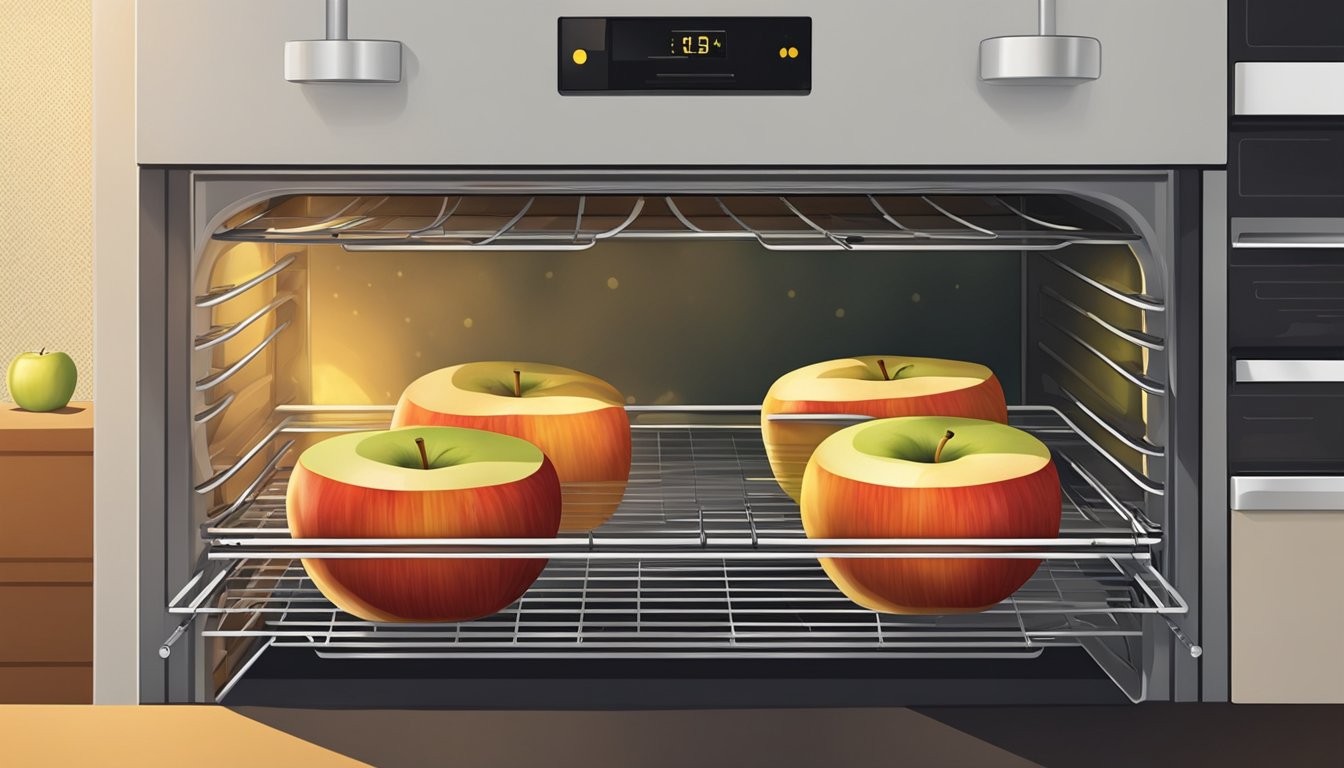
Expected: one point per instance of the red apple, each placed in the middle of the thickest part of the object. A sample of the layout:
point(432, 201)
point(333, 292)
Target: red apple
point(465, 484)
point(876, 385)
point(577, 420)
point(905, 478)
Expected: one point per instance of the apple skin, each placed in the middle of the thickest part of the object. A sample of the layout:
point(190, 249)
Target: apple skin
point(838, 507)
point(423, 590)
point(590, 448)
point(42, 381)
point(789, 445)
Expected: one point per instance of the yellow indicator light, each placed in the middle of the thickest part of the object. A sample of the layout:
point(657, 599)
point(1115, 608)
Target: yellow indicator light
point(793, 53)
point(580, 56)
point(783, 53)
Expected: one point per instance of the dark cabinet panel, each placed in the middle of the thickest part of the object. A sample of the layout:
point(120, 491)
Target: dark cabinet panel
point(1287, 173)
point(1288, 428)
point(1286, 298)
point(1286, 30)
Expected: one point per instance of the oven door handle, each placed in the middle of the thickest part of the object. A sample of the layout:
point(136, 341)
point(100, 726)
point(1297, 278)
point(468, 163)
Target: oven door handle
point(1290, 371)
point(1307, 493)
point(1289, 240)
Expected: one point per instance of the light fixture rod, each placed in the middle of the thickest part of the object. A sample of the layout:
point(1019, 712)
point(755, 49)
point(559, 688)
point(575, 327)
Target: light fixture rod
point(338, 19)
point(1047, 17)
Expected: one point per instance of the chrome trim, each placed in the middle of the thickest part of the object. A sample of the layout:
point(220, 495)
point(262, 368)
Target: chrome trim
point(1139, 380)
point(1290, 371)
point(1146, 303)
point(220, 377)
point(988, 233)
point(1288, 88)
point(510, 224)
point(227, 293)
point(1137, 338)
point(1033, 219)
point(222, 333)
point(1307, 493)
point(1140, 445)
point(214, 409)
point(1288, 240)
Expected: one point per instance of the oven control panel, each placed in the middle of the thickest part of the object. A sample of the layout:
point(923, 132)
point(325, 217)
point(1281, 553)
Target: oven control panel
point(685, 55)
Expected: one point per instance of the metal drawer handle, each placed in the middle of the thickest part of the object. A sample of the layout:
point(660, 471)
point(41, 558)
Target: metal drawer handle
point(1288, 494)
point(1289, 371)
point(1289, 240)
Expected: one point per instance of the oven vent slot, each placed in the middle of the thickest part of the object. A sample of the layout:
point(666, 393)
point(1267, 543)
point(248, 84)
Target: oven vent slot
point(779, 223)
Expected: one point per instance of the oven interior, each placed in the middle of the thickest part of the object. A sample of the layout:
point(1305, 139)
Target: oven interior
point(312, 310)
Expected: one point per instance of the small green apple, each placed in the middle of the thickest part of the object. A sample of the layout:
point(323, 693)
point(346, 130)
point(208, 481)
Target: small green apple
point(42, 381)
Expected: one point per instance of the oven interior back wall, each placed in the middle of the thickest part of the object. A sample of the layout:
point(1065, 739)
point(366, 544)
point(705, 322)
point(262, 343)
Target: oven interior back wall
point(666, 322)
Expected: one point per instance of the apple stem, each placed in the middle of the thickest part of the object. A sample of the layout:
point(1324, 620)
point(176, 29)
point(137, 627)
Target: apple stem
point(43, 352)
point(882, 366)
point(938, 452)
point(424, 457)
point(517, 383)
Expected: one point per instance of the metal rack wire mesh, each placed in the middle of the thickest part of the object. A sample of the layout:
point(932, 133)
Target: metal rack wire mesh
point(577, 222)
point(700, 496)
point(633, 608)
point(702, 477)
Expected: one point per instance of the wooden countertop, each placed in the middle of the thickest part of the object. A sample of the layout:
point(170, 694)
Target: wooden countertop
point(68, 430)
point(149, 737)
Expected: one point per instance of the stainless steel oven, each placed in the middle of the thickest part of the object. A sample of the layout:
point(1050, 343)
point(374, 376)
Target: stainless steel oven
point(310, 248)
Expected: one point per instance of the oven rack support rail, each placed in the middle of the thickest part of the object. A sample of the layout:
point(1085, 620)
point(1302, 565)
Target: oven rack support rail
point(777, 223)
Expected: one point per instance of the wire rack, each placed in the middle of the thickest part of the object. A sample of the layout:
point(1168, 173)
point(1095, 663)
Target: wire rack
point(705, 557)
point(634, 608)
point(698, 477)
point(578, 222)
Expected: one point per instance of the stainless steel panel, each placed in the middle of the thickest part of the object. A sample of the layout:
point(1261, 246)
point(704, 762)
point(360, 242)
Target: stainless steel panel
point(1213, 614)
point(1253, 493)
point(893, 84)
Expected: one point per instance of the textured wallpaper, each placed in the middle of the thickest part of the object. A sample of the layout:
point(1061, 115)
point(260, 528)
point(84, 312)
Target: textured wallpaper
point(46, 193)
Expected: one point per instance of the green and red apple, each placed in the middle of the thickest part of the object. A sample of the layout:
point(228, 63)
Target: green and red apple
point(577, 420)
point(428, 482)
point(880, 386)
point(42, 381)
point(930, 477)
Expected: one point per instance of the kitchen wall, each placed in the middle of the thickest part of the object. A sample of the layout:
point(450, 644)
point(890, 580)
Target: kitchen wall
point(46, 185)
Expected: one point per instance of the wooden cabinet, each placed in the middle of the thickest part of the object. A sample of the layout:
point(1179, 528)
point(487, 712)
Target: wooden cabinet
point(46, 555)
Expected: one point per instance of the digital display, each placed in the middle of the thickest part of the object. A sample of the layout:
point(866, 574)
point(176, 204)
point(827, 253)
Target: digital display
point(712, 43)
point(684, 55)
